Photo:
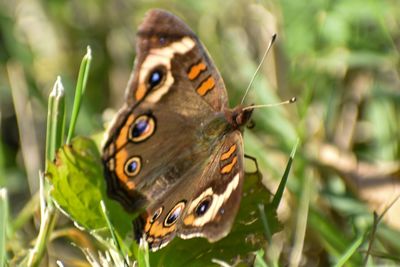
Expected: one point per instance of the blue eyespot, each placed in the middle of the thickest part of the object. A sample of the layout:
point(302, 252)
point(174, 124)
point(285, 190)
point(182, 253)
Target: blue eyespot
point(132, 166)
point(139, 128)
point(155, 78)
point(142, 128)
point(156, 214)
point(173, 217)
point(174, 214)
point(203, 206)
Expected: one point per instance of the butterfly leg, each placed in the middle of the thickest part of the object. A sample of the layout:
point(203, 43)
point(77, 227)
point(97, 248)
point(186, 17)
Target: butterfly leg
point(255, 162)
point(257, 170)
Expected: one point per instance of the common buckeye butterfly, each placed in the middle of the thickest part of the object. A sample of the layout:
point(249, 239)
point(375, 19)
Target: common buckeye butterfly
point(175, 149)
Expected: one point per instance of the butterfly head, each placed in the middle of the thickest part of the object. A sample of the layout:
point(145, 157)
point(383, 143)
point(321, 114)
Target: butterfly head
point(238, 116)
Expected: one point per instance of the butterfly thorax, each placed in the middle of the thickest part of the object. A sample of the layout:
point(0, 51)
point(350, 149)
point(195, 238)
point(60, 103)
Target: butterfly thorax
point(223, 123)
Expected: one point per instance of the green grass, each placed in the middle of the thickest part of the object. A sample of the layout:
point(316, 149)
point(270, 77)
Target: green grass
point(340, 59)
point(3, 225)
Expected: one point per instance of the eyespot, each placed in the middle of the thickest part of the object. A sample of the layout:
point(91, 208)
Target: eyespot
point(156, 214)
point(174, 214)
point(203, 206)
point(155, 78)
point(132, 166)
point(142, 128)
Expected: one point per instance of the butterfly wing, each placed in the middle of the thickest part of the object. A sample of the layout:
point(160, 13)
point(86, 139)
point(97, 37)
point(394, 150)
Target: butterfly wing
point(157, 135)
point(166, 41)
point(208, 203)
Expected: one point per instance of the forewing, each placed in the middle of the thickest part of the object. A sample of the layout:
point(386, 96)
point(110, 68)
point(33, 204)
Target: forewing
point(164, 39)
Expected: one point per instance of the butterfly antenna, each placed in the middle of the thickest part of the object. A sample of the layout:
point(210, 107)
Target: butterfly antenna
point(259, 66)
point(290, 101)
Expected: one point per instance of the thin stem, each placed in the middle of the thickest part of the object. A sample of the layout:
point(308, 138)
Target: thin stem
point(24, 113)
point(46, 227)
point(377, 220)
point(26, 213)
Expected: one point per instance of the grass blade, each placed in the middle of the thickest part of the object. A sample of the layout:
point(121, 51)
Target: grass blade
point(264, 220)
point(259, 260)
point(279, 193)
point(79, 91)
point(3, 224)
point(333, 238)
point(54, 138)
point(143, 254)
point(111, 228)
point(26, 213)
point(25, 120)
point(350, 251)
point(55, 120)
point(301, 222)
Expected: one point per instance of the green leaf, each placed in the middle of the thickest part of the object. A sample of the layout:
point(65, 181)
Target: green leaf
point(78, 187)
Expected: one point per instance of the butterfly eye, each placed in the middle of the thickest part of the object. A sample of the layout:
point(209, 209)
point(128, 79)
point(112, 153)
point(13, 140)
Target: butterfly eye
point(155, 78)
point(174, 214)
point(203, 206)
point(142, 128)
point(132, 166)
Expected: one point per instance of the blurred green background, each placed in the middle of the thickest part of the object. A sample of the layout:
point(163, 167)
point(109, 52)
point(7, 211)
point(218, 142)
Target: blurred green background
point(339, 58)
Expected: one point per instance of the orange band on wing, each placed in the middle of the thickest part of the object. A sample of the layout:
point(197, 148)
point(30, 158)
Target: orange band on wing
point(228, 167)
point(157, 229)
point(206, 86)
point(140, 92)
point(130, 185)
point(228, 153)
point(120, 159)
point(196, 69)
point(123, 134)
point(189, 220)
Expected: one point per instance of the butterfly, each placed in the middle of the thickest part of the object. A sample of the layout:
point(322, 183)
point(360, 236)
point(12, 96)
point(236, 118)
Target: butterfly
point(174, 151)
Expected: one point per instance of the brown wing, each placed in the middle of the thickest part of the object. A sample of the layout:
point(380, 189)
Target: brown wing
point(163, 39)
point(156, 137)
point(205, 203)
